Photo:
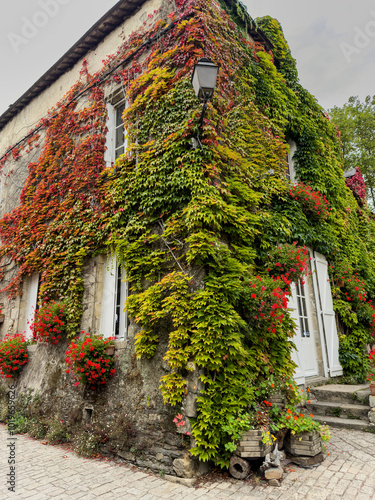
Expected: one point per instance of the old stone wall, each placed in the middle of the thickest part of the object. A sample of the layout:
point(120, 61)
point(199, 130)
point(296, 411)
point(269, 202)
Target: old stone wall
point(127, 416)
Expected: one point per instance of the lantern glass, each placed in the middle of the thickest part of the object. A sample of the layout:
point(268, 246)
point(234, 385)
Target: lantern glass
point(204, 78)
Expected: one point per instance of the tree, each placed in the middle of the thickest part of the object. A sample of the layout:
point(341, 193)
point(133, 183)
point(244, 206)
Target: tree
point(356, 122)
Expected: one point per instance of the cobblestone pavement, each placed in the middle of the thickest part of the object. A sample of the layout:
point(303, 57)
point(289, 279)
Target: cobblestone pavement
point(52, 472)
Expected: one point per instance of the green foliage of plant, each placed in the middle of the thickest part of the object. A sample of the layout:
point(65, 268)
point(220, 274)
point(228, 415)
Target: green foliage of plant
point(234, 427)
point(57, 431)
point(356, 122)
point(20, 424)
point(353, 353)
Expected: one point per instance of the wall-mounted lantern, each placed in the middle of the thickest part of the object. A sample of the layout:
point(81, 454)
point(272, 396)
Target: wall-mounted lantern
point(204, 82)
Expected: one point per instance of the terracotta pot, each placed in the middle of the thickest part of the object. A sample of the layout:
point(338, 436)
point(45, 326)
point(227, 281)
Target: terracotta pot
point(110, 350)
point(372, 387)
point(2, 317)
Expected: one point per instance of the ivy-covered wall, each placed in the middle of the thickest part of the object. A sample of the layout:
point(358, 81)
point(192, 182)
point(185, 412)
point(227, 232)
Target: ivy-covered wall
point(198, 230)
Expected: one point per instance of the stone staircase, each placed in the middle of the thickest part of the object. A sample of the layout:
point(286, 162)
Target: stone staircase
point(341, 405)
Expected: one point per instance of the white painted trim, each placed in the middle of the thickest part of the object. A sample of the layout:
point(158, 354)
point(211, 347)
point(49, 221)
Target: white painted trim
point(108, 309)
point(323, 342)
point(123, 327)
point(109, 154)
point(292, 170)
point(107, 319)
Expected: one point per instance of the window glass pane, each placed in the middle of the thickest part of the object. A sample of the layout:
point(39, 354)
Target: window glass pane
point(301, 326)
point(119, 151)
point(119, 111)
point(119, 136)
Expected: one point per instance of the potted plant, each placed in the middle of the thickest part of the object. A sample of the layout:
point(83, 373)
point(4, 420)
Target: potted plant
point(89, 362)
point(2, 316)
point(50, 323)
point(13, 355)
point(314, 204)
point(110, 349)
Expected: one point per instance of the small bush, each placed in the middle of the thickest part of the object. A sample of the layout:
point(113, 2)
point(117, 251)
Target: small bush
point(50, 323)
point(88, 361)
point(13, 354)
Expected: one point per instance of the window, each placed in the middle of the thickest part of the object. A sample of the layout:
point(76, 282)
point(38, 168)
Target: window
point(32, 303)
point(291, 172)
point(114, 320)
point(120, 141)
point(116, 135)
point(302, 309)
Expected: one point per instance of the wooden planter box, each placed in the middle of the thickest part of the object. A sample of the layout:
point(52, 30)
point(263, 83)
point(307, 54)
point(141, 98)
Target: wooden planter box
point(251, 445)
point(307, 444)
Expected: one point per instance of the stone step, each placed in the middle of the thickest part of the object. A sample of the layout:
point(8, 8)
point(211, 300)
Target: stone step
point(351, 394)
point(346, 423)
point(340, 410)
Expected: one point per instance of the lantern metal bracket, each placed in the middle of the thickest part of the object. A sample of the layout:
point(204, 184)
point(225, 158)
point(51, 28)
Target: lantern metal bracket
point(196, 141)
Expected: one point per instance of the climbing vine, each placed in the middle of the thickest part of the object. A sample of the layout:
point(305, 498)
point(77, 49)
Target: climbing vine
point(200, 232)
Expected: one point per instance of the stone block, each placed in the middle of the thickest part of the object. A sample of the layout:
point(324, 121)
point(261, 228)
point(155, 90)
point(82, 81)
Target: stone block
point(186, 428)
point(190, 405)
point(371, 416)
point(274, 482)
point(126, 455)
point(274, 473)
point(184, 467)
point(372, 401)
point(308, 461)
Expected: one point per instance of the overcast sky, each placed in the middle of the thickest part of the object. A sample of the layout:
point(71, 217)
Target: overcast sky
point(333, 41)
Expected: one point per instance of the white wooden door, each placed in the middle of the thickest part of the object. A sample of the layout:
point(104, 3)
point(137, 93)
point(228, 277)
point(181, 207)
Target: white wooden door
point(327, 314)
point(305, 354)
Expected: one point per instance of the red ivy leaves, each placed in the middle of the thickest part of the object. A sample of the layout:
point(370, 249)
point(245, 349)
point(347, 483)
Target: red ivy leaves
point(357, 185)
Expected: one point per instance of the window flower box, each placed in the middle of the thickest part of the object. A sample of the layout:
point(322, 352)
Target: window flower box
point(110, 350)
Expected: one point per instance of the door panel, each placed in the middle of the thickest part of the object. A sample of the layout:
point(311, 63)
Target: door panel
point(325, 309)
point(305, 354)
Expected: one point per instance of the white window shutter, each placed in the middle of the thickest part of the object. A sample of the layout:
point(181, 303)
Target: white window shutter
point(123, 314)
point(109, 154)
point(328, 316)
point(32, 300)
point(108, 313)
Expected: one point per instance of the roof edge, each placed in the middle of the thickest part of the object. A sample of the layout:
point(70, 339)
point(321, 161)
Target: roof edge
point(90, 40)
